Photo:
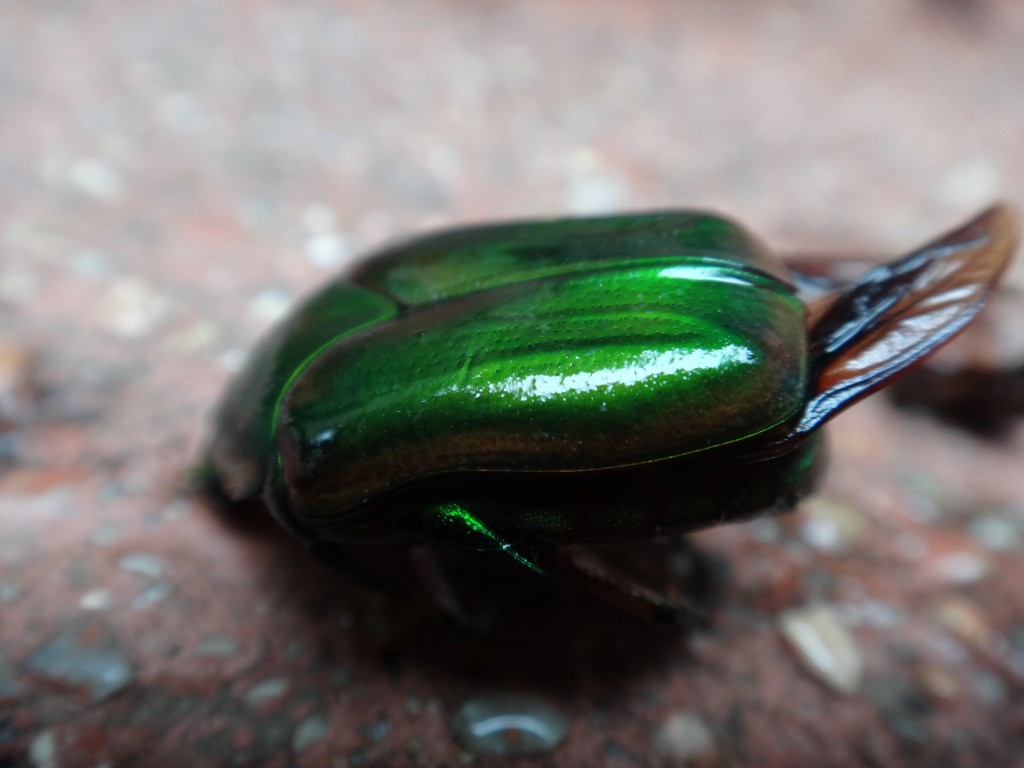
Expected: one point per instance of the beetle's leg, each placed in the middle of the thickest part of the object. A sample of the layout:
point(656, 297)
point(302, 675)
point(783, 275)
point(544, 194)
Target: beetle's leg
point(454, 525)
point(589, 572)
point(475, 604)
point(341, 559)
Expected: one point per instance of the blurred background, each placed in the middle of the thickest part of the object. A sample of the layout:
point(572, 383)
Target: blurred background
point(174, 175)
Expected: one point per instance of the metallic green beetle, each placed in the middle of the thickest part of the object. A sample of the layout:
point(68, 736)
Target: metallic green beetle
point(514, 388)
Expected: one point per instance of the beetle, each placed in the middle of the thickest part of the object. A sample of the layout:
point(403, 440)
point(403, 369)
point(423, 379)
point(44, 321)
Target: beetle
point(508, 390)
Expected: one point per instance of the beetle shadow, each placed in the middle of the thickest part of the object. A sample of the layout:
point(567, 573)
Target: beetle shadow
point(538, 633)
point(985, 402)
point(525, 632)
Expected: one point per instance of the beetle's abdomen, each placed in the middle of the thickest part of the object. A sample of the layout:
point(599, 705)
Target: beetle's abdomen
point(615, 366)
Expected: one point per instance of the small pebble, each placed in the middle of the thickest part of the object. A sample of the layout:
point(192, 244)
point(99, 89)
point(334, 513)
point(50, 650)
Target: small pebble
point(923, 507)
point(971, 182)
point(413, 706)
point(142, 563)
point(910, 546)
point(232, 360)
point(960, 568)
point(269, 306)
point(871, 613)
point(592, 187)
point(15, 368)
point(325, 250)
point(95, 178)
point(181, 111)
point(319, 218)
point(764, 530)
point(105, 534)
point(8, 687)
point(504, 724)
point(96, 600)
point(903, 707)
point(176, 510)
point(684, 736)
point(377, 730)
point(18, 287)
point(990, 689)
point(964, 619)
point(824, 645)
point(341, 677)
point(938, 682)
point(9, 591)
point(310, 731)
point(618, 753)
point(132, 308)
point(995, 533)
point(221, 646)
point(90, 264)
point(197, 337)
point(151, 595)
point(831, 525)
point(43, 750)
point(104, 672)
point(593, 194)
point(272, 688)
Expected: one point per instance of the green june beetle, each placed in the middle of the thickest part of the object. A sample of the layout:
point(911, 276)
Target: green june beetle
point(508, 390)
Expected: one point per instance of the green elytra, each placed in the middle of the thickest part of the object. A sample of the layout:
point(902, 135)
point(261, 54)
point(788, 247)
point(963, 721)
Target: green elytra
point(512, 388)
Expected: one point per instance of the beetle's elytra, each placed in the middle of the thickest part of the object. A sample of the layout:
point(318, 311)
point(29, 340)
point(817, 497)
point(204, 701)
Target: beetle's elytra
point(512, 388)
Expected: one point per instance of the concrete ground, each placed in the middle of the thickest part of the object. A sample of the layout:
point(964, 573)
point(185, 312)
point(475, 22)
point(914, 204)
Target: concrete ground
point(174, 175)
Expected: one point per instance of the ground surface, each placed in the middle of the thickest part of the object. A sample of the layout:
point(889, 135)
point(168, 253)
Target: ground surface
point(174, 175)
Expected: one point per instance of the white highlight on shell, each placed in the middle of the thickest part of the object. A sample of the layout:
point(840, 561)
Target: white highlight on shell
point(643, 368)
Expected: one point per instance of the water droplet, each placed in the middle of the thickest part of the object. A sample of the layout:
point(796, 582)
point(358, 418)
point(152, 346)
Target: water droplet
point(508, 724)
